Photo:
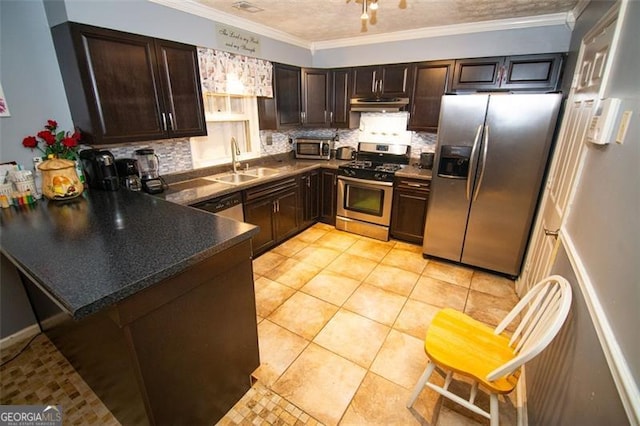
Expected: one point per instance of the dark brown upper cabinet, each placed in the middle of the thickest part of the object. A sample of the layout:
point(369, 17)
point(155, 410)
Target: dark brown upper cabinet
point(340, 98)
point(429, 84)
point(283, 110)
point(316, 97)
point(382, 80)
point(124, 87)
point(524, 72)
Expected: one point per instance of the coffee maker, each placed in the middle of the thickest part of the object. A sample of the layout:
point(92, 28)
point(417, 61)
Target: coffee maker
point(128, 172)
point(99, 169)
point(148, 168)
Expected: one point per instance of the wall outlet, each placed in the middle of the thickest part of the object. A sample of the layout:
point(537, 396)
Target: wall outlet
point(270, 140)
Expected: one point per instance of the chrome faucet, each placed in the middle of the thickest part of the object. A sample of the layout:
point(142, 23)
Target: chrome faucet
point(235, 150)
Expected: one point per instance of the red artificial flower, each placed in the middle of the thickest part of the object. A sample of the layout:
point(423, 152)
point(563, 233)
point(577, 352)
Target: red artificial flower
point(30, 142)
point(59, 144)
point(70, 142)
point(47, 136)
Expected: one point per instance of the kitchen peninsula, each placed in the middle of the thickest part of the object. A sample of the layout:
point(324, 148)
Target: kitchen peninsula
point(150, 301)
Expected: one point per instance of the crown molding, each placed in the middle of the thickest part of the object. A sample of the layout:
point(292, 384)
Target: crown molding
point(574, 14)
point(198, 9)
point(447, 30)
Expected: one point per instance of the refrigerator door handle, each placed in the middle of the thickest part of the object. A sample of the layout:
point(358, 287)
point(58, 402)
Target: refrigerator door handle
point(485, 149)
point(471, 166)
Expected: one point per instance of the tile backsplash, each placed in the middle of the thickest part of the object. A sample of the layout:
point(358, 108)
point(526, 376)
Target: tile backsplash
point(175, 154)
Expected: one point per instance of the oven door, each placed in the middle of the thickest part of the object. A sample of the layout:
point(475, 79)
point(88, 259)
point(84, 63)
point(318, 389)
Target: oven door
point(365, 200)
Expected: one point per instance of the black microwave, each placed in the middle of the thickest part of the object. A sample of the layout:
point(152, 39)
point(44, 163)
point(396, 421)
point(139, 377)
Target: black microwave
point(317, 149)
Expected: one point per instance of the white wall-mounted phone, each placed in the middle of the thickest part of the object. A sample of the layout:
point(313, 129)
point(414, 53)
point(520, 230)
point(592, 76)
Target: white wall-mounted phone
point(604, 118)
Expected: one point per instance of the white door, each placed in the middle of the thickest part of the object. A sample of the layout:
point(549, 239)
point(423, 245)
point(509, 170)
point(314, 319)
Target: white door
point(591, 71)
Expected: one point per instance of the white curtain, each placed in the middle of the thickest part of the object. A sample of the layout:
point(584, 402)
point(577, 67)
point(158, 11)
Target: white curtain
point(224, 72)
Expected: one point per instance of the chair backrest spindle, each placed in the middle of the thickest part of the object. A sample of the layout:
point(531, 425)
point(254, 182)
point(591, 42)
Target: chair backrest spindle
point(540, 324)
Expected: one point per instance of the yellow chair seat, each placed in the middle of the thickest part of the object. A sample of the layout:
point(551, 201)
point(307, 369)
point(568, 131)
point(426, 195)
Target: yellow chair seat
point(457, 342)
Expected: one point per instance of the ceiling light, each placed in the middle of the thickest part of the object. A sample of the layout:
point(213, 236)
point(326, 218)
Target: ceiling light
point(245, 6)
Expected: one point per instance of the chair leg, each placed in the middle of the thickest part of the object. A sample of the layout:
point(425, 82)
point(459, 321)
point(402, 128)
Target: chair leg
point(493, 407)
point(420, 385)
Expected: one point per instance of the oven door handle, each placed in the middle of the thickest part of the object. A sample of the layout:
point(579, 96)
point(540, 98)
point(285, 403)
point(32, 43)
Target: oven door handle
point(365, 181)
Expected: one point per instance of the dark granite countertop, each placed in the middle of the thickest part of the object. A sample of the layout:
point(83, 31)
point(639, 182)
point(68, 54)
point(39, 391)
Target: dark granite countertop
point(194, 188)
point(94, 251)
point(415, 172)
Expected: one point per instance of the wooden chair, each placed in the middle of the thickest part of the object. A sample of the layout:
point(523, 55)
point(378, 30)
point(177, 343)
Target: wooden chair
point(456, 343)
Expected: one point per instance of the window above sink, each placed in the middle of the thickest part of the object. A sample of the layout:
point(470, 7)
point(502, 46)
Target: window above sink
point(227, 116)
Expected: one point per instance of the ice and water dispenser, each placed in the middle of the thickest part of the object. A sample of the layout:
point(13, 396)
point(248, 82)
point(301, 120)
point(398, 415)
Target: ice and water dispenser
point(454, 161)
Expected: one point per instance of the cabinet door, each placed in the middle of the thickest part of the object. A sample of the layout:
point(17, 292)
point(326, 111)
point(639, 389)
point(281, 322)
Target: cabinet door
point(287, 86)
point(261, 213)
point(286, 217)
point(364, 79)
point(395, 80)
point(111, 83)
point(180, 77)
point(267, 114)
point(328, 182)
point(315, 97)
point(310, 195)
point(539, 72)
point(477, 74)
point(409, 211)
point(385, 80)
point(340, 98)
point(430, 83)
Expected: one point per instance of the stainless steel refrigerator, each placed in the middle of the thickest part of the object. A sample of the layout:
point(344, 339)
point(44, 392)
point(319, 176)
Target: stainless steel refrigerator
point(490, 159)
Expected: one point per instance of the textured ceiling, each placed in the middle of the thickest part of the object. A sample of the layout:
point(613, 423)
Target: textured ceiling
point(322, 20)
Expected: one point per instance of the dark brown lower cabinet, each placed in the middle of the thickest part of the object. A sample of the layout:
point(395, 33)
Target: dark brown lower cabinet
point(274, 208)
point(179, 352)
point(328, 201)
point(409, 211)
point(309, 184)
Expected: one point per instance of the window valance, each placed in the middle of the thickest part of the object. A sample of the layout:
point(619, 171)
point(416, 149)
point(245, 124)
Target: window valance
point(224, 72)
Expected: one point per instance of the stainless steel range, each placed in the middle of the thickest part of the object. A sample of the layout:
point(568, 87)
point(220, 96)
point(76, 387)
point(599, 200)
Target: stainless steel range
point(365, 189)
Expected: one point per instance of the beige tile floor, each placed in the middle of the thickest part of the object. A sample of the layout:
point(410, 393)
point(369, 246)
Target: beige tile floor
point(341, 320)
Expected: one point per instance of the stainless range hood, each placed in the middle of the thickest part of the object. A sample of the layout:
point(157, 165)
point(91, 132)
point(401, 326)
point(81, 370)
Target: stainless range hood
point(378, 104)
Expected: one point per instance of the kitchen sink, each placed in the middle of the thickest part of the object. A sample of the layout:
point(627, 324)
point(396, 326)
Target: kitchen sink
point(261, 172)
point(234, 178)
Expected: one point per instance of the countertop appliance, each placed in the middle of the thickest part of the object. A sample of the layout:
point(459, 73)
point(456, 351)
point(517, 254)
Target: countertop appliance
point(100, 169)
point(345, 153)
point(229, 206)
point(365, 189)
point(491, 157)
point(149, 169)
point(128, 173)
point(314, 149)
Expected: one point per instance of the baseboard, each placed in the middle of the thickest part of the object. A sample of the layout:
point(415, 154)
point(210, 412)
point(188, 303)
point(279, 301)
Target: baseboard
point(25, 333)
point(522, 418)
point(620, 371)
